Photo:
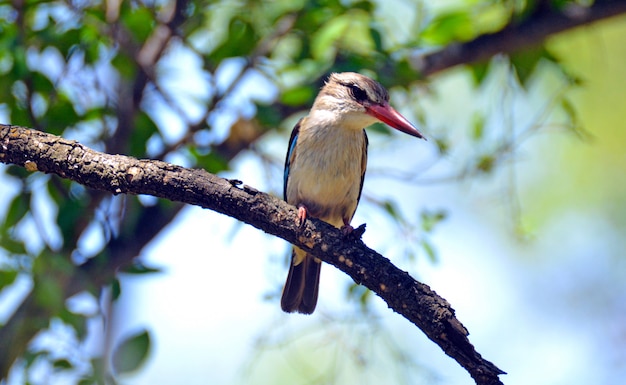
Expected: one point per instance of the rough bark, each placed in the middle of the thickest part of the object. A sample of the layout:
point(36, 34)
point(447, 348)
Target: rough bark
point(118, 174)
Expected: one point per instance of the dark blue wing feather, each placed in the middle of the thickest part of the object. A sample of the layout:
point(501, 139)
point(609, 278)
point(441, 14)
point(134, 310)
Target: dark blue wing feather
point(363, 167)
point(290, 154)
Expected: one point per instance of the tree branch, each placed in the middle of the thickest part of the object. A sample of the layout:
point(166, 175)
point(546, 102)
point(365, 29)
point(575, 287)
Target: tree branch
point(38, 151)
point(531, 32)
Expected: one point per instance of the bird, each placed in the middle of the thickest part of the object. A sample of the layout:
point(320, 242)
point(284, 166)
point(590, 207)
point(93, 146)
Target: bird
point(325, 168)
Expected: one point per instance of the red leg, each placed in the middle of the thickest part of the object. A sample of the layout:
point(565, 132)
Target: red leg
point(346, 229)
point(302, 213)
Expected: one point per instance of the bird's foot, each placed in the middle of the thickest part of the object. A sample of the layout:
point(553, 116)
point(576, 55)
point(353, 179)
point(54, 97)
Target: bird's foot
point(302, 213)
point(346, 229)
point(352, 233)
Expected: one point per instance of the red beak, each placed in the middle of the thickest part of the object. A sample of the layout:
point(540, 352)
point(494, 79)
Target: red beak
point(388, 115)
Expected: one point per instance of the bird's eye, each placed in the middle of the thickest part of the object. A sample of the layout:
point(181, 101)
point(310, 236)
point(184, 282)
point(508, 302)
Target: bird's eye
point(358, 94)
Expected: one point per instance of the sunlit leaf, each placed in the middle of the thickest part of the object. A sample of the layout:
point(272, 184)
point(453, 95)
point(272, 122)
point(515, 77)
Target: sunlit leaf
point(449, 27)
point(333, 35)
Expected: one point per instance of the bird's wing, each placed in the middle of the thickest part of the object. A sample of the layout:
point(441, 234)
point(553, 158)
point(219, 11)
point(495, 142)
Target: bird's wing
point(291, 154)
point(363, 167)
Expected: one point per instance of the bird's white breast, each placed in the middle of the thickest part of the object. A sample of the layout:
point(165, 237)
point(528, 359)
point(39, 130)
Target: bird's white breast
point(325, 174)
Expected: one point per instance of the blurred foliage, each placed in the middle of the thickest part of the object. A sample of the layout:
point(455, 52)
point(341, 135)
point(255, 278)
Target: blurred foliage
point(109, 75)
point(131, 353)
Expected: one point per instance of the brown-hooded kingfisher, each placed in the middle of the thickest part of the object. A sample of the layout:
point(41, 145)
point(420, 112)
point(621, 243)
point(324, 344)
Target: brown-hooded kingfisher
point(325, 167)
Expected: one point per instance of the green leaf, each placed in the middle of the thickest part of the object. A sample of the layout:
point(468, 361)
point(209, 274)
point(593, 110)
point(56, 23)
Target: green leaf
point(359, 293)
point(240, 41)
point(430, 250)
point(212, 162)
point(144, 129)
point(449, 27)
point(48, 293)
point(139, 268)
point(62, 364)
point(20, 117)
point(377, 40)
point(479, 72)
point(349, 32)
point(430, 219)
point(574, 122)
point(298, 96)
point(71, 211)
point(116, 289)
point(7, 277)
point(478, 127)
point(380, 128)
point(60, 115)
point(392, 209)
point(525, 62)
point(17, 209)
point(485, 163)
point(131, 353)
point(124, 65)
point(13, 246)
point(570, 111)
point(20, 68)
point(41, 83)
point(101, 374)
point(268, 116)
point(443, 145)
point(139, 21)
point(77, 321)
point(66, 41)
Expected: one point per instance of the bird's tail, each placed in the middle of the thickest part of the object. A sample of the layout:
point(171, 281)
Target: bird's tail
point(302, 286)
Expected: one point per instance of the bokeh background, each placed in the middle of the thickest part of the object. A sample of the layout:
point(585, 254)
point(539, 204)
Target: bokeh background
point(513, 211)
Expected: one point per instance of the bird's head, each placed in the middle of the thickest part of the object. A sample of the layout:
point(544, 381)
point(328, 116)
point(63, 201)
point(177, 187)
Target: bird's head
point(357, 101)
